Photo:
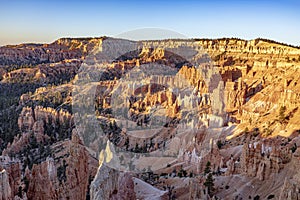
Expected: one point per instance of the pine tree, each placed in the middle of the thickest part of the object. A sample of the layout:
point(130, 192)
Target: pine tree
point(209, 183)
point(207, 168)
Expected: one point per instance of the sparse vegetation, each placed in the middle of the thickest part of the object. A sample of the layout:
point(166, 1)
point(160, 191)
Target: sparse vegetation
point(61, 172)
point(164, 174)
point(267, 131)
point(257, 197)
point(255, 132)
point(219, 144)
point(281, 116)
point(182, 173)
point(209, 184)
point(209, 181)
point(207, 168)
point(294, 148)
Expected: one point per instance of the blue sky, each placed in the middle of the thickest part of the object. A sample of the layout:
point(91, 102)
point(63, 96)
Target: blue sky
point(46, 21)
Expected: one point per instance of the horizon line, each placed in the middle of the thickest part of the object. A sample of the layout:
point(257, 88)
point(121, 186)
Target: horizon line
point(192, 38)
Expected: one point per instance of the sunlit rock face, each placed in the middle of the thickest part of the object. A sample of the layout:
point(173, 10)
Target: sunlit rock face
point(110, 183)
point(161, 102)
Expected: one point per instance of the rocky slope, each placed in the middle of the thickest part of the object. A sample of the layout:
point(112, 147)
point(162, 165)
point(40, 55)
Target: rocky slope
point(33, 54)
point(228, 132)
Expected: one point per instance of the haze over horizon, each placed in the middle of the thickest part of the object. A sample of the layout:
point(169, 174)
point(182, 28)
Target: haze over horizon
point(43, 22)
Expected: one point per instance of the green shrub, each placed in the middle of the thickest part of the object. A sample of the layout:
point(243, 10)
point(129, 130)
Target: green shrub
point(281, 117)
point(294, 148)
point(219, 144)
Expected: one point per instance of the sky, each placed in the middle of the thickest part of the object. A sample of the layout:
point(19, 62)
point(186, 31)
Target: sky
point(45, 21)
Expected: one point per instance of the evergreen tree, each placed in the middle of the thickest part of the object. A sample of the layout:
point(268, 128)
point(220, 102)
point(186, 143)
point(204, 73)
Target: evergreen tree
point(207, 169)
point(209, 183)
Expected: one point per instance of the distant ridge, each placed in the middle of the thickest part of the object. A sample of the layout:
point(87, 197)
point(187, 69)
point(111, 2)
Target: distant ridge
point(174, 39)
point(256, 40)
point(196, 39)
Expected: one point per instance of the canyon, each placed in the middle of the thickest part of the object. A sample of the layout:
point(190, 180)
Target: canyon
point(105, 118)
